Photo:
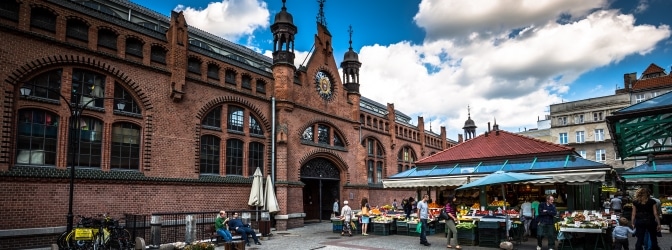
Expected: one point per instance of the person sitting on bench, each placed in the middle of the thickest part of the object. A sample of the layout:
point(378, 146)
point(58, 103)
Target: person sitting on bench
point(236, 224)
point(220, 227)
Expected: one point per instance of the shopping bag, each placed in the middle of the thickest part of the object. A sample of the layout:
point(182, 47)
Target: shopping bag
point(353, 225)
point(418, 228)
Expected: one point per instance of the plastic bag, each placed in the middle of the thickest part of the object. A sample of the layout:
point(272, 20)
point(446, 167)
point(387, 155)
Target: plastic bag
point(418, 228)
point(353, 225)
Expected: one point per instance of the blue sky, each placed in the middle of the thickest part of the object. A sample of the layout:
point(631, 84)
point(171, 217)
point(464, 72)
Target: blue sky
point(509, 59)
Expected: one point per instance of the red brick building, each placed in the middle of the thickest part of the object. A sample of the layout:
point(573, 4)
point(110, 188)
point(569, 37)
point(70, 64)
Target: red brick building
point(199, 115)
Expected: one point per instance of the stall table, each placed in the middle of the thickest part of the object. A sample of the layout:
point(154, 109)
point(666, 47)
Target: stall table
point(599, 239)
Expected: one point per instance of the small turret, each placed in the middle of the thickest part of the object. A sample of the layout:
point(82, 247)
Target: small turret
point(351, 66)
point(284, 31)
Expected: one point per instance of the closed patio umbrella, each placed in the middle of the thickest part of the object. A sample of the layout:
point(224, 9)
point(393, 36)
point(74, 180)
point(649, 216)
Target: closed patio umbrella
point(271, 203)
point(257, 192)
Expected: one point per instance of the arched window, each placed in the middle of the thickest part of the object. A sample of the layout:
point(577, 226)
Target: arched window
point(255, 128)
point(326, 136)
point(125, 151)
point(261, 87)
point(374, 155)
point(230, 77)
point(46, 85)
point(210, 154)
point(235, 121)
point(214, 118)
point(43, 19)
point(129, 104)
point(9, 9)
point(247, 82)
point(88, 87)
point(234, 157)
point(406, 157)
point(338, 142)
point(158, 55)
point(107, 39)
point(322, 134)
point(77, 29)
point(194, 65)
point(255, 157)
point(134, 47)
point(37, 137)
point(90, 141)
point(213, 71)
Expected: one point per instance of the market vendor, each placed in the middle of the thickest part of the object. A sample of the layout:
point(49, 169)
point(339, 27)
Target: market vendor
point(547, 212)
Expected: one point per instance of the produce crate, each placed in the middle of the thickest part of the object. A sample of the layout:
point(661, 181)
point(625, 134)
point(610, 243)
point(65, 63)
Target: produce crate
point(381, 228)
point(393, 227)
point(411, 229)
point(440, 227)
point(466, 234)
point(357, 230)
point(337, 226)
point(402, 227)
point(490, 237)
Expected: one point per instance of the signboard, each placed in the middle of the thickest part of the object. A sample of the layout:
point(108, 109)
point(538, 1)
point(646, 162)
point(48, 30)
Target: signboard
point(609, 189)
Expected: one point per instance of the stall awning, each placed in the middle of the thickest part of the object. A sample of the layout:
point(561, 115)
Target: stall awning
point(563, 169)
point(653, 171)
point(427, 182)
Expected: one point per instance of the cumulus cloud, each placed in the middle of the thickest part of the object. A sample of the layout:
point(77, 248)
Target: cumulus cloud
point(642, 6)
point(521, 56)
point(230, 19)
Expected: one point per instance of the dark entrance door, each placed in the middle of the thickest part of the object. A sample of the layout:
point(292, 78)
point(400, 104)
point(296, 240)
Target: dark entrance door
point(322, 181)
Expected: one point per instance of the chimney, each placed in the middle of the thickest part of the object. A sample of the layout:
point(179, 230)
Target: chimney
point(629, 79)
point(459, 138)
point(488, 126)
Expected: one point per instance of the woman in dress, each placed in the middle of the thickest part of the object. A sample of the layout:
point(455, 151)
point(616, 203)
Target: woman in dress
point(365, 215)
point(450, 223)
point(645, 218)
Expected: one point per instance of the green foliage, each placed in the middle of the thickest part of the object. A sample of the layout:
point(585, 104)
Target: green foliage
point(200, 246)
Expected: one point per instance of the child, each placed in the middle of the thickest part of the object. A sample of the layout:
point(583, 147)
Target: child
point(620, 234)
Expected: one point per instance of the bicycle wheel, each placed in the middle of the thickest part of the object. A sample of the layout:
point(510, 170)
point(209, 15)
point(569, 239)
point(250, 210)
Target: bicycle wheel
point(121, 239)
point(62, 240)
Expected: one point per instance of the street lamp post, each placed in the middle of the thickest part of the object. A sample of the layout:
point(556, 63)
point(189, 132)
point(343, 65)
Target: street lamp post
point(76, 109)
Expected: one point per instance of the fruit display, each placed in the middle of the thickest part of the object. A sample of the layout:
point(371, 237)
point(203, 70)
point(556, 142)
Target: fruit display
point(387, 207)
point(375, 211)
point(579, 217)
point(383, 219)
point(499, 203)
point(465, 226)
point(476, 205)
point(433, 205)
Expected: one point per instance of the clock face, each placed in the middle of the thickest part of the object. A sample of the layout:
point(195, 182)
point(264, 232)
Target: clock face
point(323, 85)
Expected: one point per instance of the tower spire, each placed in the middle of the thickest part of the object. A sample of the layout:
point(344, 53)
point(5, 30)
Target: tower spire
point(320, 15)
point(283, 5)
point(350, 31)
point(469, 111)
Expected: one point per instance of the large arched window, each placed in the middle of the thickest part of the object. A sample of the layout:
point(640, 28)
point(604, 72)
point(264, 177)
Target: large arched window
point(255, 128)
point(255, 157)
point(88, 87)
point(326, 135)
point(235, 122)
point(375, 160)
point(122, 96)
point(234, 157)
point(210, 154)
point(214, 118)
point(37, 137)
point(46, 85)
point(90, 141)
point(125, 151)
point(406, 158)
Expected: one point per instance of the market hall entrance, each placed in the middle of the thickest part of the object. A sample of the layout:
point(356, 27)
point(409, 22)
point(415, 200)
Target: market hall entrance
point(322, 179)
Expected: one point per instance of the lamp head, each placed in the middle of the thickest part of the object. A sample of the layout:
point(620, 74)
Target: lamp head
point(25, 91)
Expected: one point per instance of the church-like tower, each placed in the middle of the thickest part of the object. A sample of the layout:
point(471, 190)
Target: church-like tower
point(351, 66)
point(469, 127)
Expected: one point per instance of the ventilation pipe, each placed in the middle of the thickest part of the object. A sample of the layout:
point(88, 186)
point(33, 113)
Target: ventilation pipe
point(273, 139)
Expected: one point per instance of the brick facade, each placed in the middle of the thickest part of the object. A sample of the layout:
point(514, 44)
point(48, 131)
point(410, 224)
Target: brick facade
point(174, 99)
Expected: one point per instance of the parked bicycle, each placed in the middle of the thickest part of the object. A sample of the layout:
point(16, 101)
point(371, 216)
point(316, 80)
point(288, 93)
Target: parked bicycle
point(96, 233)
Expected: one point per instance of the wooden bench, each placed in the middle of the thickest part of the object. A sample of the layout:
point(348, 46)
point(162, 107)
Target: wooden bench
point(211, 233)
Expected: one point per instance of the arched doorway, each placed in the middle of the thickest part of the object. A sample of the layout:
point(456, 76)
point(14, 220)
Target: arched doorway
point(322, 179)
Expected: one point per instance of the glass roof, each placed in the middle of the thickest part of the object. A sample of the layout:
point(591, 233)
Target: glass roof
point(655, 167)
point(657, 102)
point(483, 168)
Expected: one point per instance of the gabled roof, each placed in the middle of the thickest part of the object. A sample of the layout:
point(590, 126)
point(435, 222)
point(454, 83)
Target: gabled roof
point(653, 68)
point(653, 77)
point(497, 144)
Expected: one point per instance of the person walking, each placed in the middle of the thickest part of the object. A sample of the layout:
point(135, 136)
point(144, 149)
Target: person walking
point(335, 208)
point(535, 214)
point(547, 212)
point(423, 214)
point(645, 218)
point(346, 217)
point(365, 215)
point(620, 234)
point(527, 215)
point(616, 204)
point(451, 211)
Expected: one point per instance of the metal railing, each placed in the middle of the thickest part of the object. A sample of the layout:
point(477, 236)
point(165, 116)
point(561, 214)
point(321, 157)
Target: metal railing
point(173, 226)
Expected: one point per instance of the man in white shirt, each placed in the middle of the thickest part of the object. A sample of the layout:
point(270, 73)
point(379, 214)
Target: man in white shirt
point(335, 208)
point(526, 211)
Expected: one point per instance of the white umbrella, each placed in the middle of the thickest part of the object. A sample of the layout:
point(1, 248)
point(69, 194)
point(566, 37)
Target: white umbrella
point(257, 193)
point(271, 201)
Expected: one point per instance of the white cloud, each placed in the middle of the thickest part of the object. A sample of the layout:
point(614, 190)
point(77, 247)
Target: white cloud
point(521, 56)
point(230, 19)
point(642, 6)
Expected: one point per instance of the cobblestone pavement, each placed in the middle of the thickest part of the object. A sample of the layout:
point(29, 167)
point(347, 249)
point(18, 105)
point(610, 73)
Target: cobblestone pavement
point(320, 236)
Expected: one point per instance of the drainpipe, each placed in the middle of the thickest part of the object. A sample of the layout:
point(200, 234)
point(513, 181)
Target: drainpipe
point(273, 139)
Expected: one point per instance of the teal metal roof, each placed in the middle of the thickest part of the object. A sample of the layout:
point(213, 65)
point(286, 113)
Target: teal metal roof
point(660, 101)
point(532, 164)
point(654, 167)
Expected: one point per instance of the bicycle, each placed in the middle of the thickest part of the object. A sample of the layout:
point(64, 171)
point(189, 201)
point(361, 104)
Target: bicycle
point(80, 237)
point(91, 233)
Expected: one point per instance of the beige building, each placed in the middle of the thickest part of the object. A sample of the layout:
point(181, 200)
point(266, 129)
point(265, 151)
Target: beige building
point(581, 125)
